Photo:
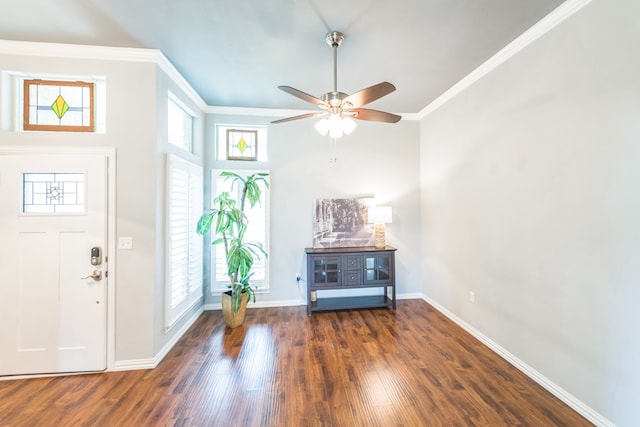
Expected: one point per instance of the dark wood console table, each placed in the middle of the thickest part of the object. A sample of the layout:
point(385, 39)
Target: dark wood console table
point(350, 268)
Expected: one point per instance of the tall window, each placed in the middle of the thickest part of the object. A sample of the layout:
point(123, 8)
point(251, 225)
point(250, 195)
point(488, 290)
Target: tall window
point(180, 122)
point(184, 248)
point(258, 231)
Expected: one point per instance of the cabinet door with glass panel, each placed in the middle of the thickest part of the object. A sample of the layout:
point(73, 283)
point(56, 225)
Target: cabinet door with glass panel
point(377, 268)
point(326, 271)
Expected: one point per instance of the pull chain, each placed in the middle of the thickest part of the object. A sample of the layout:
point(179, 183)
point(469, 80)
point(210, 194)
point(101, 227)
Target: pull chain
point(333, 155)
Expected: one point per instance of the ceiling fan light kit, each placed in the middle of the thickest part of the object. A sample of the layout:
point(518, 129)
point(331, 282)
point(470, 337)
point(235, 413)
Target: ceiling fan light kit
point(335, 126)
point(338, 109)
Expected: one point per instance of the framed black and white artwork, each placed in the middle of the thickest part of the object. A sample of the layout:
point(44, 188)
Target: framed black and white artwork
point(342, 223)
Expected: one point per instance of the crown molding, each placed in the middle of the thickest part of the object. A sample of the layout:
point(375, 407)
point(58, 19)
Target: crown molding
point(61, 50)
point(559, 14)
point(274, 112)
point(173, 73)
point(410, 116)
point(260, 112)
point(12, 47)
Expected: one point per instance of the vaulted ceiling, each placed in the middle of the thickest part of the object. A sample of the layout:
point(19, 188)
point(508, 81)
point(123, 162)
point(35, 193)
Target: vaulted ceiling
point(236, 52)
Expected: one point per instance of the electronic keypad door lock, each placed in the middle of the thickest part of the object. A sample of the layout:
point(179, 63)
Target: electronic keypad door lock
point(96, 255)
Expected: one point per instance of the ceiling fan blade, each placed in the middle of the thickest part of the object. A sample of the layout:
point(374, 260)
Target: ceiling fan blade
point(302, 116)
point(369, 94)
point(302, 95)
point(374, 115)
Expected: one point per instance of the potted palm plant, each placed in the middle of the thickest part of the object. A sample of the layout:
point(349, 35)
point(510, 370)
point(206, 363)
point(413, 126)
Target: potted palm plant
point(229, 221)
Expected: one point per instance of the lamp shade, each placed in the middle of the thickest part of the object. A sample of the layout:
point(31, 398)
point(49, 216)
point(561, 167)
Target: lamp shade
point(379, 214)
point(322, 127)
point(348, 125)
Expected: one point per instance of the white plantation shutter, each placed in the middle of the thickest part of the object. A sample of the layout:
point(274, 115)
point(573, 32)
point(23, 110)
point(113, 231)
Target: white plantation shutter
point(258, 231)
point(184, 247)
point(196, 190)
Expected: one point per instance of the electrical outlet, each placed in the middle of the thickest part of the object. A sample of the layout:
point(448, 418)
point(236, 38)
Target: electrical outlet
point(472, 297)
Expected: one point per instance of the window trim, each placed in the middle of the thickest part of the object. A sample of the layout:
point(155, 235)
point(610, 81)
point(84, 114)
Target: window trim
point(57, 128)
point(188, 147)
point(221, 146)
point(250, 157)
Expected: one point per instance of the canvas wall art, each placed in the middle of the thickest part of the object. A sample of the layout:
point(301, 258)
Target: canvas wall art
point(341, 223)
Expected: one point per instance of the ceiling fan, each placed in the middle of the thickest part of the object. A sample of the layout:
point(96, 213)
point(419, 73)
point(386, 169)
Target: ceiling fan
point(338, 108)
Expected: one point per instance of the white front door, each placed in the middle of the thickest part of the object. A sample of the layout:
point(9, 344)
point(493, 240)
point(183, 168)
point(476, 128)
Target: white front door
point(52, 311)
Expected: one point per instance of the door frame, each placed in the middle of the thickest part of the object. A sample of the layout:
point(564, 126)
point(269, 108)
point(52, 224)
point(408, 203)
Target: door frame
point(110, 154)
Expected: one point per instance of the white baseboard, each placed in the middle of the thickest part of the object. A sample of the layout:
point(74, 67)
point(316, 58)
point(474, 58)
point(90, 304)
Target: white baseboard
point(295, 302)
point(545, 382)
point(133, 364)
point(409, 296)
point(258, 304)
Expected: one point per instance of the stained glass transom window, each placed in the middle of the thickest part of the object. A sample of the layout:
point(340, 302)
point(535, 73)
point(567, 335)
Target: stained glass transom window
point(222, 146)
point(242, 144)
point(58, 106)
point(53, 193)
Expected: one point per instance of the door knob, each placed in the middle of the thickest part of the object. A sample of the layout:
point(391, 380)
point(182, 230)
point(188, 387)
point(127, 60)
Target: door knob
point(96, 275)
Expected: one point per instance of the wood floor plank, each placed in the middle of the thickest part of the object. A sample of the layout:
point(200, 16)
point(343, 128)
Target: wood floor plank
point(411, 367)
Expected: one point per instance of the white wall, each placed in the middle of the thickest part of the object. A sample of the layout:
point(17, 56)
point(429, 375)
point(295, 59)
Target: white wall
point(529, 182)
point(377, 158)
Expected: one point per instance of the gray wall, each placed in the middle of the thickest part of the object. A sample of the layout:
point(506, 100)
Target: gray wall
point(377, 158)
point(529, 182)
point(135, 126)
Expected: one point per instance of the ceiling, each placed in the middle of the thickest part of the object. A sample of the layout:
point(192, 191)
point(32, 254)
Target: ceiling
point(236, 52)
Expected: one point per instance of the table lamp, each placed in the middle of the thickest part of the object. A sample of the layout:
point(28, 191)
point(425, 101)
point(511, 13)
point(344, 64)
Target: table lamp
point(379, 216)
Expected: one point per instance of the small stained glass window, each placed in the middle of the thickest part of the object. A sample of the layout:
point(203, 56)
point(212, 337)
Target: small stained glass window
point(242, 144)
point(51, 105)
point(53, 193)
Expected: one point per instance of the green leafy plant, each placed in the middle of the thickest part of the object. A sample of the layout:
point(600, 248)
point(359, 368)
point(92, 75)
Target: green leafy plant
point(230, 227)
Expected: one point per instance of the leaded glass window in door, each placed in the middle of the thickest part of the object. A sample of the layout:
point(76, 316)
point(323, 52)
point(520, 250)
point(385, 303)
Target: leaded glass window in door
point(53, 193)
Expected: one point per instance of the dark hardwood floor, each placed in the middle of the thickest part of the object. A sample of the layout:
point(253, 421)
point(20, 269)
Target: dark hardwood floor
point(412, 367)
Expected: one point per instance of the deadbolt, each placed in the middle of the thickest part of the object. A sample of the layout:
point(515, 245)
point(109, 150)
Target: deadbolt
point(96, 255)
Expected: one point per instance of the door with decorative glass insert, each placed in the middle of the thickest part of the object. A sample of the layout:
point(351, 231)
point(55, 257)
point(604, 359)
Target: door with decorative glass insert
point(52, 292)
